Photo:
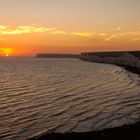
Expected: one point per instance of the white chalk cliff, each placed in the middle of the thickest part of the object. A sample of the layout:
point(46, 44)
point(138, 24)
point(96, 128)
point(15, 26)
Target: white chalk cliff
point(125, 59)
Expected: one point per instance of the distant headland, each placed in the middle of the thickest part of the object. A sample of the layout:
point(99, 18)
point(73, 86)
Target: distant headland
point(122, 58)
point(58, 55)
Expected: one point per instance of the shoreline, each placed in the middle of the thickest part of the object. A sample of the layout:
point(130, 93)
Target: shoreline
point(132, 69)
point(128, 68)
point(125, 132)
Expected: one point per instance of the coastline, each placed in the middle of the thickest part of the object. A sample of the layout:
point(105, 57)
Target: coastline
point(126, 132)
point(132, 69)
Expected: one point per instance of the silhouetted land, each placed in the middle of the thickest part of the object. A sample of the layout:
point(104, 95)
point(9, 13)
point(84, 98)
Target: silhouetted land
point(57, 55)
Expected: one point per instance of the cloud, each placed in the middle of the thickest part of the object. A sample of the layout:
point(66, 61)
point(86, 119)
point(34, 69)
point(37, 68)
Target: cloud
point(102, 34)
point(2, 27)
point(4, 30)
point(83, 34)
point(130, 35)
point(135, 39)
point(23, 30)
point(118, 28)
point(58, 32)
point(110, 38)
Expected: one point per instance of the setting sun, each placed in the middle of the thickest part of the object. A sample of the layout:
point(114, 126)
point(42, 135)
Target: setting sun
point(6, 51)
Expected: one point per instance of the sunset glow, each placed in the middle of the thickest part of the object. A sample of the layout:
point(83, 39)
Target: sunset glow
point(68, 26)
point(6, 51)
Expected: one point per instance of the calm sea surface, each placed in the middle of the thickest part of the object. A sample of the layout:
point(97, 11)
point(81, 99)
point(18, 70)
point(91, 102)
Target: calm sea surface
point(51, 95)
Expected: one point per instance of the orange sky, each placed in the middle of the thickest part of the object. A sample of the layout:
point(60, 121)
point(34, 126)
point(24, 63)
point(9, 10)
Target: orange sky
point(28, 27)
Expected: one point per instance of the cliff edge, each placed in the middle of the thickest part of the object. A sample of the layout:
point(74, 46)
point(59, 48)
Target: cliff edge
point(131, 59)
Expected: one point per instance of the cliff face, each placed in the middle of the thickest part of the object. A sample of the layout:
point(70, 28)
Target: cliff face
point(124, 59)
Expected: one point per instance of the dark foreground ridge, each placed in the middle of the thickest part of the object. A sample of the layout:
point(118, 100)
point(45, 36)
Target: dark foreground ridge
point(57, 56)
point(126, 132)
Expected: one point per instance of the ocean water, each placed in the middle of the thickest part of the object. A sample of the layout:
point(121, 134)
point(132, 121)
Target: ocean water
point(64, 95)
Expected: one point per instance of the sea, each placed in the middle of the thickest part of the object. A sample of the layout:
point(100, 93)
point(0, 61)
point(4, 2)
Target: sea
point(41, 95)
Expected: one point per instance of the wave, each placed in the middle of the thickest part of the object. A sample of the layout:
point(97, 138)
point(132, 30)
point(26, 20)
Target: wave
point(65, 96)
